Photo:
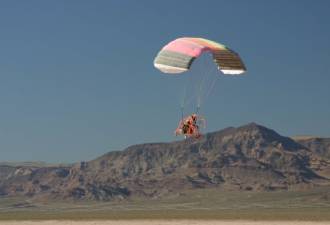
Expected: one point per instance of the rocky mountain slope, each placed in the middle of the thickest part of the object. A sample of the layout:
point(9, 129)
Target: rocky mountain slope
point(248, 158)
point(319, 146)
point(321, 150)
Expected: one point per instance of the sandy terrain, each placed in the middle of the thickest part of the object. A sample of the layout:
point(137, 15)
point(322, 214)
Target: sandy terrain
point(161, 222)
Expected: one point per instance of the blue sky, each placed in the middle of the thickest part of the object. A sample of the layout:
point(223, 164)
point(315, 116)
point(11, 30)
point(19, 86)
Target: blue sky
point(77, 79)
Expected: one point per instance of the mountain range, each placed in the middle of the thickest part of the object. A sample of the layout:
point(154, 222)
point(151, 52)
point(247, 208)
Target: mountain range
point(247, 158)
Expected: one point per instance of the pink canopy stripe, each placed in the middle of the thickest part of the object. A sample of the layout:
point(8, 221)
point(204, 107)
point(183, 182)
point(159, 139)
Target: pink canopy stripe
point(187, 46)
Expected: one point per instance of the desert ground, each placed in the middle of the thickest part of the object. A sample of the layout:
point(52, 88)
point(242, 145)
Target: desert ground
point(195, 207)
point(162, 222)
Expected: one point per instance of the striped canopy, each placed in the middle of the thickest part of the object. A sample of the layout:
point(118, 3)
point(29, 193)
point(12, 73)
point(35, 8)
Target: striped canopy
point(178, 55)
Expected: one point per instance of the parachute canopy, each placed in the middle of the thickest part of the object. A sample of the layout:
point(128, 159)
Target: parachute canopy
point(178, 55)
